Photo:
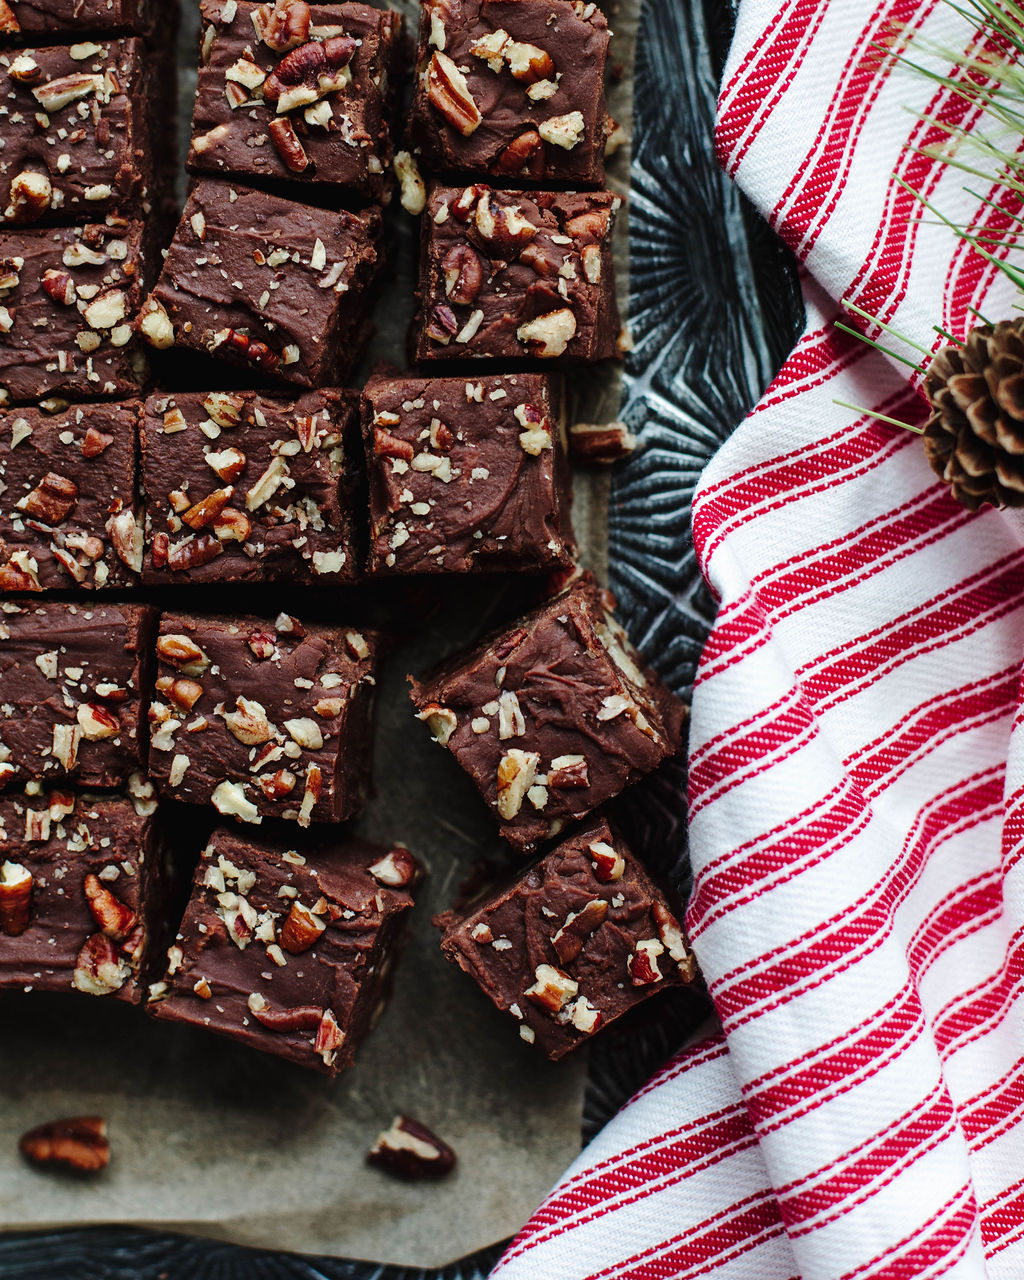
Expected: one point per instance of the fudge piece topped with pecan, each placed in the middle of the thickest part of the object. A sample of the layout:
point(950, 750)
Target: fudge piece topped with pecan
point(513, 89)
point(263, 719)
point(573, 943)
point(268, 284)
point(87, 888)
point(517, 275)
point(76, 136)
point(466, 475)
point(553, 716)
point(244, 487)
point(289, 948)
point(69, 297)
point(296, 91)
point(72, 682)
point(31, 18)
point(67, 505)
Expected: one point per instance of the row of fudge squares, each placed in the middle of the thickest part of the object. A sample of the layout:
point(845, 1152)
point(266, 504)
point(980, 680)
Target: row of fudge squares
point(290, 949)
point(258, 719)
point(551, 718)
point(221, 487)
point(264, 282)
point(507, 89)
point(307, 92)
point(287, 948)
point(285, 290)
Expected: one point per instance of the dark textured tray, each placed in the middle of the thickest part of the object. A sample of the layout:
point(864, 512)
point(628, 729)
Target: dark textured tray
point(714, 308)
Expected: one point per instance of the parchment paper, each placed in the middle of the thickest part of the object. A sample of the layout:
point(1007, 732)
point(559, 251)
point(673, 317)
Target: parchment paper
point(215, 1140)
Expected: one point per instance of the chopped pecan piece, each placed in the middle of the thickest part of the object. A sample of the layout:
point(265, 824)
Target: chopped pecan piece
point(15, 898)
point(411, 1151)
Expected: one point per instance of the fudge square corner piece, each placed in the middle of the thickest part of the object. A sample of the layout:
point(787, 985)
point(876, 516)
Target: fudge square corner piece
point(73, 679)
point(263, 719)
point(552, 717)
point(268, 284)
point(86, 883)
point(517, 275)
point(289, 948)
point(573, 943)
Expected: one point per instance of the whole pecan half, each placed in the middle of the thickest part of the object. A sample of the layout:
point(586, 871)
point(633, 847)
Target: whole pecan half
point(76, 1145)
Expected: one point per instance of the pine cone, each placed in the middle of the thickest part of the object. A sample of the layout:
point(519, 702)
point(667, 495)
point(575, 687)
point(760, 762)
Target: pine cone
point(974, 438)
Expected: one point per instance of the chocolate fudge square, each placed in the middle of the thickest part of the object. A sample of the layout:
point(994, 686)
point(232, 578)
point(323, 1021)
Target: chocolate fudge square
point(73, 678)
point(88, 885)
point(297, 92)
point(67, 501)
point(466, 475)
point(573, 943)
point(517, 275)
point(512, 89)
point(69, 297)
point(31, 18)
point(267, 284)
point(553, 716)
point(287, 948)
point(76, 132)
point(244, 487)
point(263, 719)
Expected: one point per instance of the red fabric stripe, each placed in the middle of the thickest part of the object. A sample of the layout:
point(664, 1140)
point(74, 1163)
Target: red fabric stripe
point(744, 102)
point(820, 178)
point(665, 1159)
point(706, 1248)
point(875, 1167)
point(767, 980)
point(944, 1238)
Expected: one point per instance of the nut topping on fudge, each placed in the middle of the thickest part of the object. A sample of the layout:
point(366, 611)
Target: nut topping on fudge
point(517, 275)
point(244, 487)
point(566, 947)
point(76, 138)
point(263, 719)
point(69, 298)
point(512, 88)
point(466, 475)
point(296, 91)
point(67, 510)
point(72, 680)
point(552, 717)
point(86, 893)
point(286, 949)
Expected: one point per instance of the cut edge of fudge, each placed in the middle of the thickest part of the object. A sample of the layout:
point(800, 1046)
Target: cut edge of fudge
point(106, 871)
point(240, 740)
point(293, 910)
point(437, 446)
point(291, 260)
point(572, 943)
point(621, 725)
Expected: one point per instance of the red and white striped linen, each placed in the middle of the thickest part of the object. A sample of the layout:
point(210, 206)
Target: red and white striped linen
point(857, 757)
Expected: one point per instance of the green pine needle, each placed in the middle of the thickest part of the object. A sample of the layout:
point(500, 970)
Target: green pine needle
point(882, 417)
